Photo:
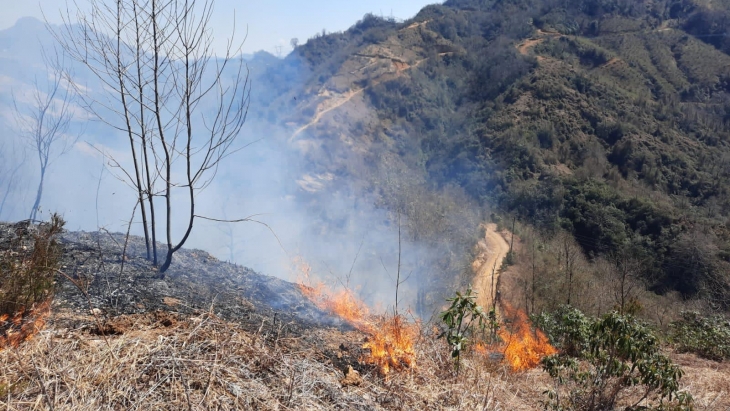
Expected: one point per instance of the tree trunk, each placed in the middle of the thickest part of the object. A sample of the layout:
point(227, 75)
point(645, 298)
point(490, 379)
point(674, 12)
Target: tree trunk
point(39, 194)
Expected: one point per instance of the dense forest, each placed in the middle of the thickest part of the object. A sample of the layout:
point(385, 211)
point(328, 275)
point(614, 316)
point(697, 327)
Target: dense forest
point(607, 119)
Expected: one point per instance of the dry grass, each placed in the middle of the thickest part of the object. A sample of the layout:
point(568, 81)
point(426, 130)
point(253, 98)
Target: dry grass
point(166, 361)
point(707, 380)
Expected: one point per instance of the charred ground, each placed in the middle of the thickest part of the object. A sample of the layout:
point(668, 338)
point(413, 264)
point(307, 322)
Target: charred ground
point(108, 274)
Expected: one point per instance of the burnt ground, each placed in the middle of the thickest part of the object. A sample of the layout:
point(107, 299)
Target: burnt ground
point(103, 279)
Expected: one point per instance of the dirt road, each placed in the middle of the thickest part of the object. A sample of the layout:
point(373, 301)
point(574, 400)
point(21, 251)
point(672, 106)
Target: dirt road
point(527, 45)
point(340, 100)
point(321, 112)
point(492, 250)
point(523, 48)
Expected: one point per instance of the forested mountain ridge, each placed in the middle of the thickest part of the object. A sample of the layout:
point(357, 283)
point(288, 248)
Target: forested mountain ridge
point(608, 119)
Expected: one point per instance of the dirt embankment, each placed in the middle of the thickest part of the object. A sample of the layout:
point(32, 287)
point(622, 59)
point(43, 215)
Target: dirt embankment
point(492, 250)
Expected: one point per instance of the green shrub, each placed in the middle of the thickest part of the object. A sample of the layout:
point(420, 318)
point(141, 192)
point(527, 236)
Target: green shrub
point(708, 337)
point(567, 328)
point(464, 318)
point(620, 353)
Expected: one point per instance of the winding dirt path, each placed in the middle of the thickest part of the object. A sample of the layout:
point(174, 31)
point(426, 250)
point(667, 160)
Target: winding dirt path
point(527, 45)
point(416, 25)
point(523, 48)
point(349, 95)
point(492, 250)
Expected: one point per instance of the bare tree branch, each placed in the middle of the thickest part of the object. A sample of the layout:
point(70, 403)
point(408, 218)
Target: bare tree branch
point(180, 107)
point(43, 124)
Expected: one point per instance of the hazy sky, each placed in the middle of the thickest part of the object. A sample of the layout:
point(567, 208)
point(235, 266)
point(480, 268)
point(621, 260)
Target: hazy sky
point(271, 23)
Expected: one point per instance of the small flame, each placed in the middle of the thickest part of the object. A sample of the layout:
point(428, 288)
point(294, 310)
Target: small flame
point(524, 347)
point(342, 303)
point(391, 344)
point(23, 325)
point(390, 338)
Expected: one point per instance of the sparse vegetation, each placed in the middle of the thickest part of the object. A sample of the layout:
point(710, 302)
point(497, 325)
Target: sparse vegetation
point(157, 74)
point(463, 320)
point(28, 266)
point(44, 122)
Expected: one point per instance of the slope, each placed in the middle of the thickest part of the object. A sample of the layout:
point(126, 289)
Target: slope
point(603, 118)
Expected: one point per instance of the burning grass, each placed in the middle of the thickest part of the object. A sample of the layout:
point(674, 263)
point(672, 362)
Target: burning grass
point(391, 344)
point(23, 325)
point(168, 361)
point(524, 345)
point(174, 362)
point(390, 337)
point(521, 346)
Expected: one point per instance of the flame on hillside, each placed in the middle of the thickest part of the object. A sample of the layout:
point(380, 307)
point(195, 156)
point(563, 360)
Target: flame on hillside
point(391, 344)
point(390, 338)
point(524, 346)
point(23, 325)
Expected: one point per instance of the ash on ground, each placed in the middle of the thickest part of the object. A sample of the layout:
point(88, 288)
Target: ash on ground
point(107, 278)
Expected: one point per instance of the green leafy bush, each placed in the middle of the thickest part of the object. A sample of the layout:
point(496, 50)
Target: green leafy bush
point(463, 318)
point(567, 328)
point(708, 337)
point(620, 353)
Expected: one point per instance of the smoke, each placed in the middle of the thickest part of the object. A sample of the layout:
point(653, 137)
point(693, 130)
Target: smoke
point(297, 210)
point(346, 240)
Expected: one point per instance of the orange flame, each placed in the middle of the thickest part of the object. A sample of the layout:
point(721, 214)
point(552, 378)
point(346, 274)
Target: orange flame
point(342, 303)
point(390, 339)
point(391, 344)
point(23, 325)
point(524, 347)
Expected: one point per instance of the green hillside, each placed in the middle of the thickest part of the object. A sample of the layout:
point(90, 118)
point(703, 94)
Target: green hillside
point(605, 118)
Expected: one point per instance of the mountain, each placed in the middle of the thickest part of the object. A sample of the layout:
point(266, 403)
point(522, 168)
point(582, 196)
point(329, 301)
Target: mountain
point(608, 119)
point(560, 155)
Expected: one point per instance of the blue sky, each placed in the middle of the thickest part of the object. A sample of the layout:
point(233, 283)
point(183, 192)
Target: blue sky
point(270, 23)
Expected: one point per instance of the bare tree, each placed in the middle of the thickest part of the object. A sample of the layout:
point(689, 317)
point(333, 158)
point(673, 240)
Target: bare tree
point(180, 107)
point(43, 123)
point(625, 278)
point(12, 159)
point(569, 257)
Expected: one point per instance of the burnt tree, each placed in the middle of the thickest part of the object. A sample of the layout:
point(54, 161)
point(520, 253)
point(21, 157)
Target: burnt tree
point(180, 107)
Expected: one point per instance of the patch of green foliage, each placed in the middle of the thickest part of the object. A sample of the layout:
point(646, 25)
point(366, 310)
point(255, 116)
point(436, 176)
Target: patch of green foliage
point(463, 319)
point(708, 337)
point(602, 358)
point(567, 328)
